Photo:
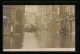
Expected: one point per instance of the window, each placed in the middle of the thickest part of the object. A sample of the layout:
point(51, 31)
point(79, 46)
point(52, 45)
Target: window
point(6, 25)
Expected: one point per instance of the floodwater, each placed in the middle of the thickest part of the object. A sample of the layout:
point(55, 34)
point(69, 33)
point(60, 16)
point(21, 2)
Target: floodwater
point(30, 40)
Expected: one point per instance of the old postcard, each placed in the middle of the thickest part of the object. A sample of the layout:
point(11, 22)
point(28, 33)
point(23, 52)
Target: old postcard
point(38, 27)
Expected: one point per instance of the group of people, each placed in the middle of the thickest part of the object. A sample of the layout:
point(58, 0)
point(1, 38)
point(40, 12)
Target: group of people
point(31, 28)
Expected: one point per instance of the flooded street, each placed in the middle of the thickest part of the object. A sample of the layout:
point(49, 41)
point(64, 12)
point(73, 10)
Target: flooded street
point(30, 41)
point(38, 26)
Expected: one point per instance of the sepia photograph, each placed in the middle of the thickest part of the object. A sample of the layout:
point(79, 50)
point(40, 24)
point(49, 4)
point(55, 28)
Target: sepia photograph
point(38, 27)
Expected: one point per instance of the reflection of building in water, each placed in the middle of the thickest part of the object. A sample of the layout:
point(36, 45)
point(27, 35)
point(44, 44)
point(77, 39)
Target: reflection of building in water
point(13, 17)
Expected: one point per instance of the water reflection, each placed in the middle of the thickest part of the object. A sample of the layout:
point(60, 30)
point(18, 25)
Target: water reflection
point(30, 40)
point(12, 41)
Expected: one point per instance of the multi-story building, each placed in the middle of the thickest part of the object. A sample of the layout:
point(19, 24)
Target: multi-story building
point(47, 27)
point(65, 19)
point(56, 24)
point(13, 24)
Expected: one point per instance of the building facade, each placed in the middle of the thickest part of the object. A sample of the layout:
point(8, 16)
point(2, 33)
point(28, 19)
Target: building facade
point(13, 25)
point(65, 19)
point(47, 27)
point(56, 26)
